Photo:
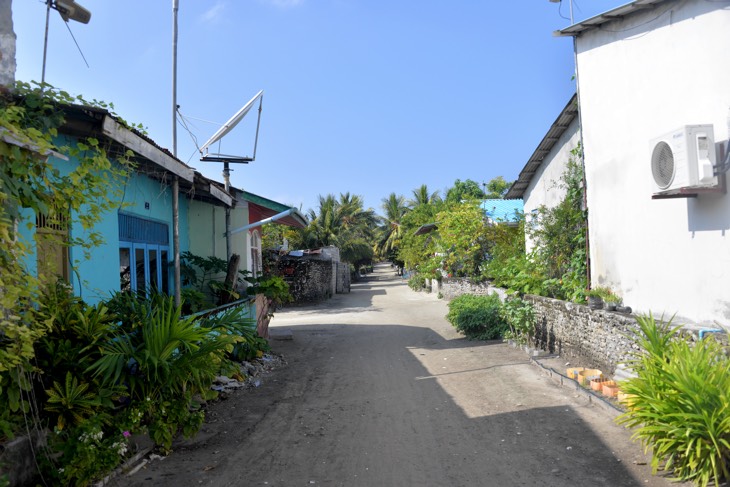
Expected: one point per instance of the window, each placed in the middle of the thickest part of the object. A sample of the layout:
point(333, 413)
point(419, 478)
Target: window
point(143, 254)
point(52, 239)
point(256, 268)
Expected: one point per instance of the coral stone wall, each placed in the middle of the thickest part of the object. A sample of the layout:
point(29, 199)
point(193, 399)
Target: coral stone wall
point(593, 337)
point(599, 338)
point(451, 288)
point(309, 280)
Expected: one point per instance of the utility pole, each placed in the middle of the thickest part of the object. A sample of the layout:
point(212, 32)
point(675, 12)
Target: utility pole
point(176, 181)
point(7, 45)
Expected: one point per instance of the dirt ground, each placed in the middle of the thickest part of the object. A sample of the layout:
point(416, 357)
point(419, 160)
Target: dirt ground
point(379, 390)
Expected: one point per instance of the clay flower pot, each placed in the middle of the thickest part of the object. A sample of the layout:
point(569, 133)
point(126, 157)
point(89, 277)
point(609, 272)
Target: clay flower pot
point(610, 388)
point(585, 376)
point(573, 372)
point(597, 384)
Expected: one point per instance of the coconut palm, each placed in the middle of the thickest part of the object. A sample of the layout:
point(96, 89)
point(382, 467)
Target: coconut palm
point(421, 196)
point(394, 207)
point(344, 223)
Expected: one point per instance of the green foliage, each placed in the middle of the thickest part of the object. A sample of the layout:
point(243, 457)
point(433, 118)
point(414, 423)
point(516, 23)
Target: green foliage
point(497, 188)
point(464, 191)
point(85, 453)
point(680, 406)
point(477, 317)
point(556, 267)
point(417, 282)
point(253, 349)
point(520, 317)
point(464, 235)
point(416, 250)
point(559, 234)
point(337, 220)
point(605, 293)
point(274, 288)
point(89, 186)
point(422, 196)
point(395, 209)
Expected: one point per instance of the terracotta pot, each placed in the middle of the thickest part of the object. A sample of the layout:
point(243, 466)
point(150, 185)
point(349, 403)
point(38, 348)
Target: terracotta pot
point(610, 388)
point(597, 384)
point(585, 376)
point(573, 372)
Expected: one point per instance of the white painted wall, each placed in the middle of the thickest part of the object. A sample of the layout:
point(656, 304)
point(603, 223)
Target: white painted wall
point(640, 78)
point(544, 187)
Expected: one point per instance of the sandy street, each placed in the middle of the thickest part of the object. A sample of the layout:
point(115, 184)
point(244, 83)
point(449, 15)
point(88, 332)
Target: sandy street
point(380, 390)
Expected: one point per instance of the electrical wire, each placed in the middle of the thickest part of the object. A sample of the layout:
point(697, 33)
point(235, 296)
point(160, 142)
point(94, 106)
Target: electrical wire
point(184, 123)
point(77, 45)
point(668, 9)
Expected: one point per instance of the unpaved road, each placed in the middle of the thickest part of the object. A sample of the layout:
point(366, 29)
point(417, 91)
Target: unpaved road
point(379, 390)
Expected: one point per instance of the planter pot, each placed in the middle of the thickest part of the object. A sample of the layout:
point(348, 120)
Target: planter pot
point(595, 302)
point(610, 388)
point(585, 376)
point(597, 384)
point(573, 372)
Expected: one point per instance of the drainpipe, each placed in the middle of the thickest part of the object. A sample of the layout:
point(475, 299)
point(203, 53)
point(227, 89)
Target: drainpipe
point(278, 216)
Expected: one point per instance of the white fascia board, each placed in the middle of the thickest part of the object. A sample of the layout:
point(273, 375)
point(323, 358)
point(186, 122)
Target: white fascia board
point(117, 132)
point(221, 195)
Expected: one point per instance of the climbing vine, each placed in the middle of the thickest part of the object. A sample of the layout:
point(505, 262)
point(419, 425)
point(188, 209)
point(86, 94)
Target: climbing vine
point(84, 188)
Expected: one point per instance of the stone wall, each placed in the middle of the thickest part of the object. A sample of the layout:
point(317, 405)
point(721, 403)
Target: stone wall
point(451, 288)
point(343, 278)
point(309, 280)
point(594, 337)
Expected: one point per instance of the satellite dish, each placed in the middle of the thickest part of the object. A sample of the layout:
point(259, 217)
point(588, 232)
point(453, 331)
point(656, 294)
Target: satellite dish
point(227, 127)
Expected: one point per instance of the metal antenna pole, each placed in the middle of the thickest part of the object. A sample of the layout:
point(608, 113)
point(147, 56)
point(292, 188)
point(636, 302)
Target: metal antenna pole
point(176, 181)
point(45, 43)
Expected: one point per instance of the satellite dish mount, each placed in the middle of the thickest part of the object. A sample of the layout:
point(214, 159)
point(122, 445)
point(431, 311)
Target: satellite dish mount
point(227, 127)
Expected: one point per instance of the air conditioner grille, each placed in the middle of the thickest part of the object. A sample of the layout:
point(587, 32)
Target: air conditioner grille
point(662, 165)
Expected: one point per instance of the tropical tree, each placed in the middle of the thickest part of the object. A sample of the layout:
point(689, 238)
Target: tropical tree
point(464, 191)
point(344, 223)
point(464, 234)
point(395, 208)
point(497, 188)
point(422, 196)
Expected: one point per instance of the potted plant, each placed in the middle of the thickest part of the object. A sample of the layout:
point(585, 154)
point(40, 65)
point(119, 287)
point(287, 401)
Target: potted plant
point(595, 300)
point(603, 297)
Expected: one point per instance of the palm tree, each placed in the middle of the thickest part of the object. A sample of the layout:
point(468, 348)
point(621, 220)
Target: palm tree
point(421, 196)
point(395, 208)
point(344, 223)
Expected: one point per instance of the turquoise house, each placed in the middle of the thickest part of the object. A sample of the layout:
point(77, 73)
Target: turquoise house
point(137, 246)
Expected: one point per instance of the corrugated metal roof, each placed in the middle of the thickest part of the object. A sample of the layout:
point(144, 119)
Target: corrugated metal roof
point(261, 208)
point(615, 14)
point(503, 210)
point(557, 129)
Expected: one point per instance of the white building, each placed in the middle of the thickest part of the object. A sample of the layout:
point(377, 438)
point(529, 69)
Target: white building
point(538, 182)
point(645, 70)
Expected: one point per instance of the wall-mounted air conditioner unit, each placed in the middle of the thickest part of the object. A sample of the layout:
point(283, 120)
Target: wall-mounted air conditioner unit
point(684, 159)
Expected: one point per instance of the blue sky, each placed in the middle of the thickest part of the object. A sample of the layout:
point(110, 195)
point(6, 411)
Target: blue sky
point(365, 96)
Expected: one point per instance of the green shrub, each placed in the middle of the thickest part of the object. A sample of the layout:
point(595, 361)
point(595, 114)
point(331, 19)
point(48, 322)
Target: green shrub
point(520, 317)
point(681, 403)
point(417, 282)
point(477, 317)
